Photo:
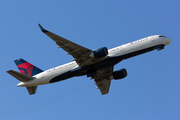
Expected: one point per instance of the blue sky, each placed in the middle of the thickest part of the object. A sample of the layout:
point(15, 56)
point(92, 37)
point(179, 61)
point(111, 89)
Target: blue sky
point(151, 91)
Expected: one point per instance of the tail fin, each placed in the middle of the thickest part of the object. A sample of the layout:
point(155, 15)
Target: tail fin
point(27, 68)
point(24, 78)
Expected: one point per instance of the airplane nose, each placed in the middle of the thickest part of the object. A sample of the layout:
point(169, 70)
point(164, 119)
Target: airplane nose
point(168, 40)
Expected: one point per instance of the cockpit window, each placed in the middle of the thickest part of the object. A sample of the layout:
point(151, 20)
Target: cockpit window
point(161, 36)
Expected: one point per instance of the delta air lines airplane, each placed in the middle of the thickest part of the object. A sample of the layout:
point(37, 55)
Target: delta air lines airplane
point(97, 64)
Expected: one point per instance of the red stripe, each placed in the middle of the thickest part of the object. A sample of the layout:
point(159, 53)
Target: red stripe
point(26, 66)
point(29, 70)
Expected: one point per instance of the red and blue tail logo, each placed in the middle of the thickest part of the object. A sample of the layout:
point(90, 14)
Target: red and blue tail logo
point(27, 68)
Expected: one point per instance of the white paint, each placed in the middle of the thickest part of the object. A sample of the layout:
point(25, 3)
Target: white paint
point(46, 76)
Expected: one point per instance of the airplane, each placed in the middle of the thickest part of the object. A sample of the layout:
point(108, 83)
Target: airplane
point(97, 64)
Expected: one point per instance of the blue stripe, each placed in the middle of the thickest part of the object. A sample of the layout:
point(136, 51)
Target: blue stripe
point(35, 71)
point(111, 61)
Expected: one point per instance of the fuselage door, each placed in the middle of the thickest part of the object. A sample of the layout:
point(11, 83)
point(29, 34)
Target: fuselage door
point(41, 75)
point(121, 48)
point(152, 38)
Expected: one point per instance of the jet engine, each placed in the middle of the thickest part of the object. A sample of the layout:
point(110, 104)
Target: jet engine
point(99, 53)
point(119, 74)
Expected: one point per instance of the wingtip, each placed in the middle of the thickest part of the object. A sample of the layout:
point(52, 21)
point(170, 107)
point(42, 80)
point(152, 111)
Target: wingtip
point(42, 29)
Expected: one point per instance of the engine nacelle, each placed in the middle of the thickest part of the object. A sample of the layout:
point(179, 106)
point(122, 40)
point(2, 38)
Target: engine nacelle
point(119, 74)
point(99, 53)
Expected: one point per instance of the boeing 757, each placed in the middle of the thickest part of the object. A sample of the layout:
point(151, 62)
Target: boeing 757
point(96, 64)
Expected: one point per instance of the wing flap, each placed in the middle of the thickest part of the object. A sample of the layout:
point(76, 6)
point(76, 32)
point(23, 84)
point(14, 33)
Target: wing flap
point(104, 86)
point(102, 79)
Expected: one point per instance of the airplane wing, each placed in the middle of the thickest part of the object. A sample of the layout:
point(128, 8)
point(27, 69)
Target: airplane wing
point(104, 86)
point(80, 53)
point(103, 80)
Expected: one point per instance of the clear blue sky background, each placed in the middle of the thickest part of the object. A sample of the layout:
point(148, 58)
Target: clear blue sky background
point(151, 91)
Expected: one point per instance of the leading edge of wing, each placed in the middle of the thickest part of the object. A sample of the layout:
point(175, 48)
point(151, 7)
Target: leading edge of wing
point(79, 53)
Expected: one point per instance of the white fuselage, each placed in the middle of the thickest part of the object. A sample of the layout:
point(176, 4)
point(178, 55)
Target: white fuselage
point(46, 76)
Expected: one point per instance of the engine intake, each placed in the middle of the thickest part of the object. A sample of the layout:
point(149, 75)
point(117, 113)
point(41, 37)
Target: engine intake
point(99, 53)
point(119, 74)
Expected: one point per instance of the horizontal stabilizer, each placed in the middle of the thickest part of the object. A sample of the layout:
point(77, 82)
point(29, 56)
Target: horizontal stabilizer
point(20, 76)
point(32, 89)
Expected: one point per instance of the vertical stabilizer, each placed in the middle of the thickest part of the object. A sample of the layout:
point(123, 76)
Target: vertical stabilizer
point(27, 68)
